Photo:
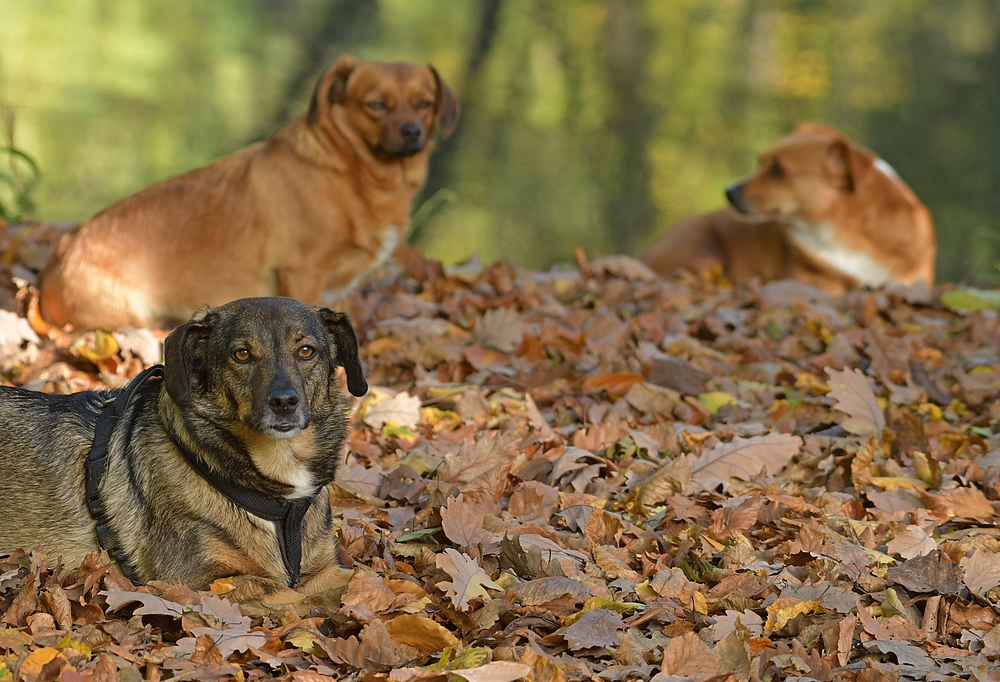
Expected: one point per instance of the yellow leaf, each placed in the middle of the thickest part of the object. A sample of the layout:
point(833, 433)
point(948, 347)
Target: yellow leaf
point(222, 586)
point(38, 659)
point(784, 610)
point(644, 590)
point(693, 600)
point(896, 482)
point(931, 411)
point(811, 384)
point(300, 638)
point(437, 419)
point(421, 633)
point(95, 346)
point(714, 400)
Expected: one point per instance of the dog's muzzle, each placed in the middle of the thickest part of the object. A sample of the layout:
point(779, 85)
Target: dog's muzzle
point(734, 194)
point(285, 414)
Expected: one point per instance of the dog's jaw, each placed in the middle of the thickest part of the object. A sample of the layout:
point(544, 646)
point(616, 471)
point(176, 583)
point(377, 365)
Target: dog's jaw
point(819, 242)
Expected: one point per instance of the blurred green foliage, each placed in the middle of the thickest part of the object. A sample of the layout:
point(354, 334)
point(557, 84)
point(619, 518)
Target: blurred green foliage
point(592, 122)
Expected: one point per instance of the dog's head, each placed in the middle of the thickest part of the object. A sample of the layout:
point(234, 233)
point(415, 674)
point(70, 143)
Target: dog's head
point(803, 177)
point(265, 362)
point(393, 106)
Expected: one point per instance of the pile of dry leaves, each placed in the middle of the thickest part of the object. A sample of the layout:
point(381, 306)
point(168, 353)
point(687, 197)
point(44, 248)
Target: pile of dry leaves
point(593, 473)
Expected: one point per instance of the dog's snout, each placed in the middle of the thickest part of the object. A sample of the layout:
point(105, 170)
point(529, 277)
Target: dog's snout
point(283, 401)
point(734, 194)
point(410, 132)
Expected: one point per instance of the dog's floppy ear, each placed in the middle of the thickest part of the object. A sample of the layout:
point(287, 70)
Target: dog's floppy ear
point(331, 88)
point(180, 353)
point(445, 105)
point(347, 349)
point(850, 162)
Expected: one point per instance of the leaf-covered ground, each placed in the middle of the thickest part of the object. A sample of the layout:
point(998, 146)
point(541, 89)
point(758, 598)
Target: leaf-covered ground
point(591, 473)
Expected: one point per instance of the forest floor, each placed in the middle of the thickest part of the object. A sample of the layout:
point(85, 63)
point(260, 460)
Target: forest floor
point(591, 473)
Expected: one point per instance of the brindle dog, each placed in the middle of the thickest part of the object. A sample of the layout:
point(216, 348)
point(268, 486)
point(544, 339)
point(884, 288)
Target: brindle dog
point(217, 470)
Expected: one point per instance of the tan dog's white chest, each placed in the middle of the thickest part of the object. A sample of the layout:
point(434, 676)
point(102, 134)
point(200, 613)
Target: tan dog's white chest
point(391, 237)
point(820, 243)
point(277, 459)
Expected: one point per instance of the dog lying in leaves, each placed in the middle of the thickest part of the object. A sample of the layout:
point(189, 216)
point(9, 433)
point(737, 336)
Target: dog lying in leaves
point(215, 464)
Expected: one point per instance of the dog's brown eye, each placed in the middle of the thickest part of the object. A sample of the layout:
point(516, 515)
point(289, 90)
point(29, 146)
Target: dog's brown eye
point(306, 352)
point(776, 171)
point(425, 104)
point(241, 355)
point(377, 105)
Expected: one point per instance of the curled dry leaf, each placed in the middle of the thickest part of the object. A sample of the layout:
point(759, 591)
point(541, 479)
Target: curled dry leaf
point(855, 398)
point(542, 590)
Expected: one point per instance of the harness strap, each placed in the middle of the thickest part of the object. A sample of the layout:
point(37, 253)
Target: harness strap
point(287, 515)
point(97, 462)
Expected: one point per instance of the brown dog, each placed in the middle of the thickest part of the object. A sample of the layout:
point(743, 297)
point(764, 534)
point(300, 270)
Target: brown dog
point(820, 210)
point(304, 213)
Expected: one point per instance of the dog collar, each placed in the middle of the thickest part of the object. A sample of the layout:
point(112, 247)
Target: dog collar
point(287, 515)
point(97, 463)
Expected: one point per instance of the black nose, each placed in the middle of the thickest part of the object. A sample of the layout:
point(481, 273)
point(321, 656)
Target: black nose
point(283, 402)
point(734, 194)
point(410, 132)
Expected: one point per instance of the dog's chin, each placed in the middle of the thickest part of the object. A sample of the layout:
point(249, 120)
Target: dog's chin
point(279, 430)
point(753, 218)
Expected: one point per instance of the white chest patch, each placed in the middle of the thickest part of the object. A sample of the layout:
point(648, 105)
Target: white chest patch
point(818, 241)
point(390, 240)
point(278, 461)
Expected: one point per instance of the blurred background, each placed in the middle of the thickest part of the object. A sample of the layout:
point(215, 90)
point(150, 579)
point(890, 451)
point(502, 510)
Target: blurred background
point(591, 122)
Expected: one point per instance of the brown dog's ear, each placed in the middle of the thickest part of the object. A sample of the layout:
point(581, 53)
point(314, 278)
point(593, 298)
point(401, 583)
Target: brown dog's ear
point(347, 349)
point(445, 105)
point(849, 162)
point(180, 353)
point(331, 88)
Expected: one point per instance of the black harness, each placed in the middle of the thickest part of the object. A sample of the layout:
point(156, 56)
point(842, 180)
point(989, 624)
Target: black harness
point(287, 515)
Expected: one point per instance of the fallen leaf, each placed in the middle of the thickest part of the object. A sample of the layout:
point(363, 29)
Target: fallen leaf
point(421, 633)
point(401, 409)
point(469, 580)
point(687, 656)
point(912, 542)
point(597, 627)
point(855, 398)
point(982, 571)
point(499, 329)
point(744, 458)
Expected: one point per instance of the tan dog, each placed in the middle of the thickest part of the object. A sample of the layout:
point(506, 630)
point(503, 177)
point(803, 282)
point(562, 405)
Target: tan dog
point(219, 468)
point(304, 213)
point(820, 210)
